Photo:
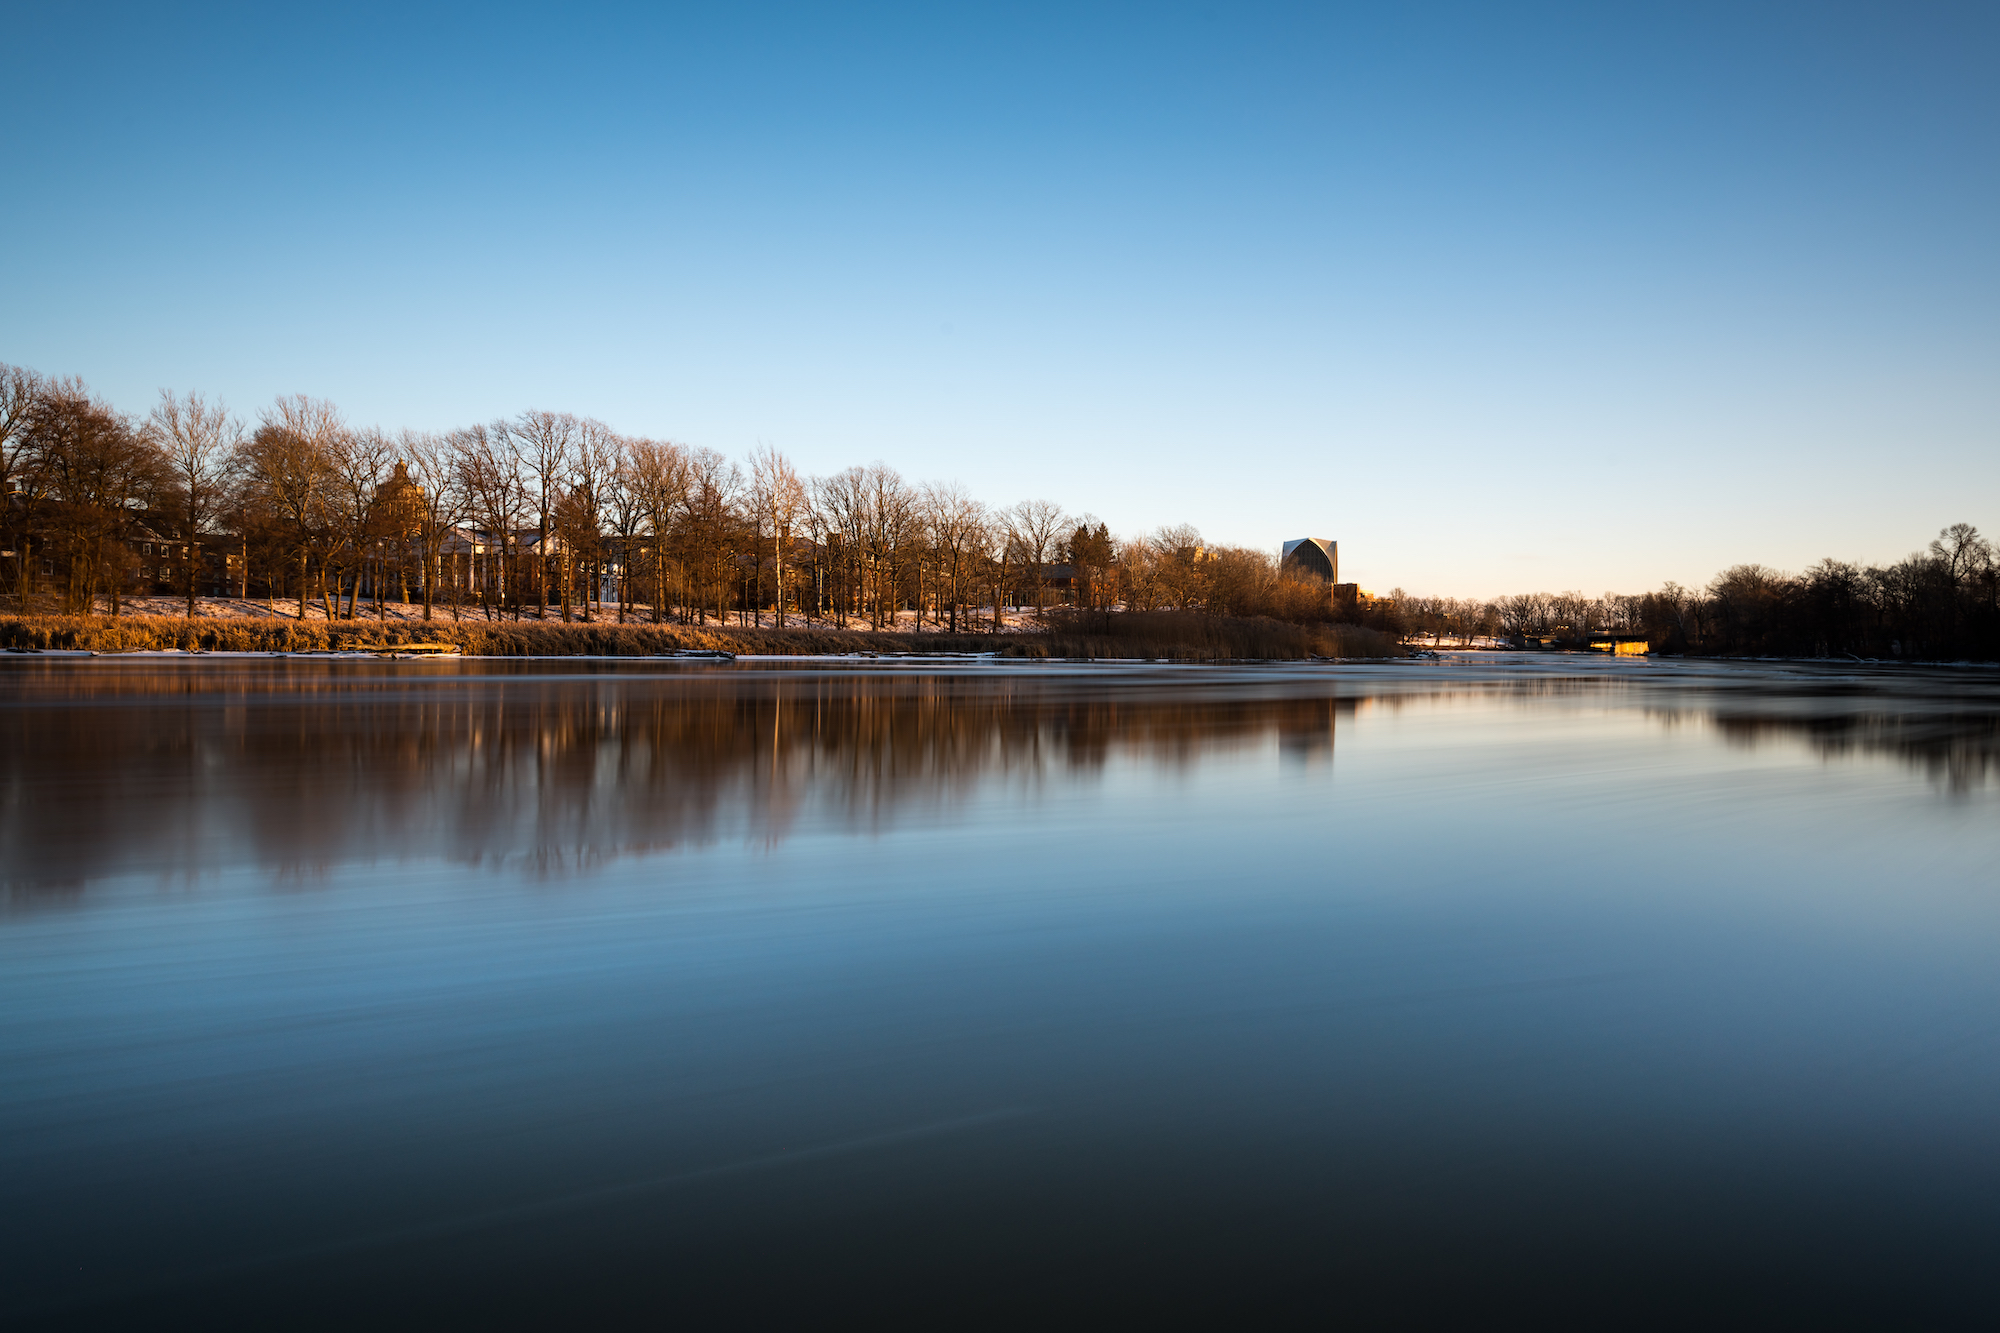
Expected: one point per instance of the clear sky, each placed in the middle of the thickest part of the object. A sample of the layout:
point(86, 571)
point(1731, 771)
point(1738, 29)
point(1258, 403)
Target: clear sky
point(1501, 297)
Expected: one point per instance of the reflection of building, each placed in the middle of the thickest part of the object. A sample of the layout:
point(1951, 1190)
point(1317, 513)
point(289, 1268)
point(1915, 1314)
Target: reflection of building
point(1313, 555)
point(1305, 738)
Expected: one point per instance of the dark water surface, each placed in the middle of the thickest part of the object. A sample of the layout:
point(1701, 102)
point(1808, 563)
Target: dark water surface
point(1486, 991)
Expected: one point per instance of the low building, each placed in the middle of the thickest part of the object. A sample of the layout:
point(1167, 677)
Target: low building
point(1319, 558)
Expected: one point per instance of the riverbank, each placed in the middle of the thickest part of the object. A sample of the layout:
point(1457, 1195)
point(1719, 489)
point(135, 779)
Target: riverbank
point(1173, 636)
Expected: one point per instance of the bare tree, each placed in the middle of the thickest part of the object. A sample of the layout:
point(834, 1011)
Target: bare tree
point(710, 528)
point(841, 510)
point(956, 522)
point(593, 472)
point(20, 391)
point(94, 469)
point(656, 476)
point(1525, 613)
point(1142, 584)
point(497, 494)
point(546, 442)
point(196, 439)
point(886, 516)
point(779, 498)
point(362, 525)
point(1036, 526)
point(289, 463)
point(1962, 549)
point(439, 499)
point(1179, 560)
point(995, 543)
point(625, 510)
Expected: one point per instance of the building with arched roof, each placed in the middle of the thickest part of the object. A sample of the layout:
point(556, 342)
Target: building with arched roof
point(1313, 555)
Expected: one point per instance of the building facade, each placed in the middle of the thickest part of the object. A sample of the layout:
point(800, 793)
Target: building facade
point(1312, 555)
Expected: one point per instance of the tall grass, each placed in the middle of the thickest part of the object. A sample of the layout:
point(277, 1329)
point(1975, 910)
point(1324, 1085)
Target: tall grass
point(108, 634)
point(1176, 636)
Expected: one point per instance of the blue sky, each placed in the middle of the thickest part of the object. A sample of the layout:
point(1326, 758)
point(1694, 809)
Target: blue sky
point(1502, 298)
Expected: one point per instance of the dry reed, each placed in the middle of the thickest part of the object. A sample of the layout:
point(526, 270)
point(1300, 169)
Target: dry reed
point(1170, 635)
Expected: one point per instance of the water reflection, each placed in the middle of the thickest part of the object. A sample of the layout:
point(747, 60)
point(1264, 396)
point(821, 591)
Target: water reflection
point(1455, 993)
point(553, 768)
point(1959, 749)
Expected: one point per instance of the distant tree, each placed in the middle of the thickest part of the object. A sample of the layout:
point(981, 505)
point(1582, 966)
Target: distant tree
point(1037, 525)
point(841, 514)
point(1749, 603)
point(497, 496)
point(657, 477)
point(1179, 575)
point(712, 529)
point(436, 501)
point(1962, 549)
point(20, 391)
point(289, 468)
point(779, 499)
point(574, 526)
point(1092, 558)
point(625, 509)
point(196, 441)
point(367, 520)
point(954, 521)
point(94, 471)
point(545, 443)
point(887, 519)
point(994, 540)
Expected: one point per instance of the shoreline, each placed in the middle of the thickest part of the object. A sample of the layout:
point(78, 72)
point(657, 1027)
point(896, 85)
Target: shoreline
point(1135, 636)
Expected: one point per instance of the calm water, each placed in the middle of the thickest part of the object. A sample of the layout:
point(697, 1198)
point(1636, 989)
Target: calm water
point(1501, 990)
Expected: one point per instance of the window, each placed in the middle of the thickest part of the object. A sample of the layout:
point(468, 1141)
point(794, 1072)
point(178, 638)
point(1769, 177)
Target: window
point(145, 548)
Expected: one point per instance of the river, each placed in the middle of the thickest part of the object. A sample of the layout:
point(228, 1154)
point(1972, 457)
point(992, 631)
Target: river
point(1496, 988)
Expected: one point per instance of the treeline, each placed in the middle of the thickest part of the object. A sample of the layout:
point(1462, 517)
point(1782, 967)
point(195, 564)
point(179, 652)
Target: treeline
point(549, 514)
point(1940, 603)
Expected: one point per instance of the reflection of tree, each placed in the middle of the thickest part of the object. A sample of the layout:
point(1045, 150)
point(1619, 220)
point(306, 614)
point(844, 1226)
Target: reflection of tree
point(1956, 748)
point(1945, 724)
point(296, 766)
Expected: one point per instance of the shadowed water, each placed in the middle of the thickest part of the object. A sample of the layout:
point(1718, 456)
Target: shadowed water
point(1490, 989)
